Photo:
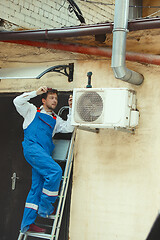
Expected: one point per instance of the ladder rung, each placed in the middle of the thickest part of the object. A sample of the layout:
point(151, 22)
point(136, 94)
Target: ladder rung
point(44, 225)
point(40, 235)
point(64, 177)
point(60, 160)
point(60, 196)
point(52, 216)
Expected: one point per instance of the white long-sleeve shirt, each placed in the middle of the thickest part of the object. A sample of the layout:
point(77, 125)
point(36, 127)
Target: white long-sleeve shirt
point(28, 111)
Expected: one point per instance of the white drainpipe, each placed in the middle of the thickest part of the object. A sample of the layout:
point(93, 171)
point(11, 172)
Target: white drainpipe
point(119, 45)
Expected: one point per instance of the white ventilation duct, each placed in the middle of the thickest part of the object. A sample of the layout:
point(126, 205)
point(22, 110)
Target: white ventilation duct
point(119, 45)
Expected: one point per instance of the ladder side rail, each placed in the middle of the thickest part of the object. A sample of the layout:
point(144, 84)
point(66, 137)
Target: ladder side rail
point(60, 209)
point(63, 203)
point(20, 236)
point(62, 189)
point(25, 237)
point(54, 226)
point(69, 158)
point(69, 154)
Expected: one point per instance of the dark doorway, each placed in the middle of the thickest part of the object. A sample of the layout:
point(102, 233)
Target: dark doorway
point(12, 162)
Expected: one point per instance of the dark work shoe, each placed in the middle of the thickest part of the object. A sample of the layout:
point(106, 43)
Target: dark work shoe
point(34, 228)
point(54, 212)
point(55, 205)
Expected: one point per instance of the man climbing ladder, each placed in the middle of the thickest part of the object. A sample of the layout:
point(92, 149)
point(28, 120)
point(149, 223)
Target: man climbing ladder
point(39, 126)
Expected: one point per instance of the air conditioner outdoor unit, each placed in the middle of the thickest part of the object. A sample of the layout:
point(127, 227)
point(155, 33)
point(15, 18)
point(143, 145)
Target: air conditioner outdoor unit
point(104, 108)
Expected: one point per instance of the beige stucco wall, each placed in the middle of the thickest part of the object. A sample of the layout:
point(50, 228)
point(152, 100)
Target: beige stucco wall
point(116, 177)
point(116, 185)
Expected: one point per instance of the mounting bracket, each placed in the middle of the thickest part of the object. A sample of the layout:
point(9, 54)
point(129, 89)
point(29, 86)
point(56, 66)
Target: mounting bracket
point(59, 69)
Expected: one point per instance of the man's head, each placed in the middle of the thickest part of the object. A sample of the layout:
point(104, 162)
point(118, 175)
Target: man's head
point(50, 99)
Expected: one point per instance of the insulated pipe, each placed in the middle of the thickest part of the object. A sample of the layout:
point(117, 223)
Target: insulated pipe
point(144, 23)
point(57, 33)
point(134, 25)
point(97, 51)
point(119, 45)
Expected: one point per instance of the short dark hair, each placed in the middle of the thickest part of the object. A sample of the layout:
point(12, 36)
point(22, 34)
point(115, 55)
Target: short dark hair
point(49, 91)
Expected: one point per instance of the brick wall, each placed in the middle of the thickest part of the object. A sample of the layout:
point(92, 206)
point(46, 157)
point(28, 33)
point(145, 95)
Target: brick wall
point(40, 14)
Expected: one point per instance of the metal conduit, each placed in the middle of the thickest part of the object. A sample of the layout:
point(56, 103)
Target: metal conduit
point(56, 33)
point(134, 25)
point(119, 45)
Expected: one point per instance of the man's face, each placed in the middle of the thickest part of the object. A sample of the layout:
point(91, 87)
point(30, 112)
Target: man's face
point(50, 102)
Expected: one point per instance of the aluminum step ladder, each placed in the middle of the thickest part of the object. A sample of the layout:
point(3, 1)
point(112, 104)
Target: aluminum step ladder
point(68, 147)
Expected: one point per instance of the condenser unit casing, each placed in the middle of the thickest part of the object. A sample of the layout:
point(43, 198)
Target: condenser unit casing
point(104, 108)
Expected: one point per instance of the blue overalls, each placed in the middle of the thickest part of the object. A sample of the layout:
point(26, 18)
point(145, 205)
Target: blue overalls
point(46, 173)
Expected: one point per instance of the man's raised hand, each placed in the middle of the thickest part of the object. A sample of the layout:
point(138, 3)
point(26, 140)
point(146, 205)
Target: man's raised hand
point(41, 90)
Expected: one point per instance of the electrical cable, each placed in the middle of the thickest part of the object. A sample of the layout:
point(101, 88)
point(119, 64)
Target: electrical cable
point(113, 4)
point(144, 6)
point(62, 5)
point(77, 11)
point(75, 6)
point(107, 4)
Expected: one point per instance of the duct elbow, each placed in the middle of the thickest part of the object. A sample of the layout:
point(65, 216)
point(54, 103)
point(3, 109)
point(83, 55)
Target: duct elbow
point(119, 45)
point(128, 75)
point(136, 78)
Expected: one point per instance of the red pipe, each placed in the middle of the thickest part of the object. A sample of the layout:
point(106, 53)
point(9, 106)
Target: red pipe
point(104, 52)
point(66, 47)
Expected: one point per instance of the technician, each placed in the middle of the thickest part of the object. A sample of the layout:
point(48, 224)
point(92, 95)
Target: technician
point(40, 125)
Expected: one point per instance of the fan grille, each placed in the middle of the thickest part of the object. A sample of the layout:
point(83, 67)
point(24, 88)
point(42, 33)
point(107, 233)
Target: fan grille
point(90, 106)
